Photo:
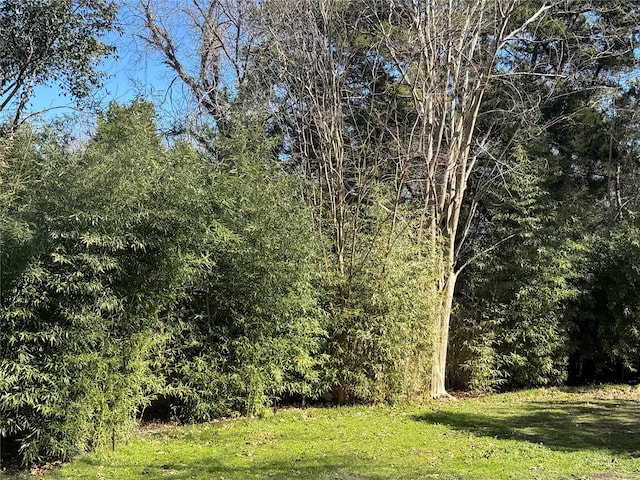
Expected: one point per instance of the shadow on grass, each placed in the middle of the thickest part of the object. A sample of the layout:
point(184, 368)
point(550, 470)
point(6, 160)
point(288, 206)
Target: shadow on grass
point(562, 425)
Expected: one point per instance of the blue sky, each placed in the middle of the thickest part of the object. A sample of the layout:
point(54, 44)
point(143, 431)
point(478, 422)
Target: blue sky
point(131, 72)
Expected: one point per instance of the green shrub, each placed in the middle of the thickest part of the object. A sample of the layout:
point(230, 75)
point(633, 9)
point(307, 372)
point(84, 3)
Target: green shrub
point(381, 315)
point(249, 333)
point(96, 244)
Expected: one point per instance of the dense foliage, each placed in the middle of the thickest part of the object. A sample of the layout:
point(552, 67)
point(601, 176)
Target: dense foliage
point(130, 269)
point(51, 42)
point(248, 334)
point(96, 246)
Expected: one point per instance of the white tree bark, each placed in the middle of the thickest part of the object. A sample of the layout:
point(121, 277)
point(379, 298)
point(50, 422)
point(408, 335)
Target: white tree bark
point(447, 63)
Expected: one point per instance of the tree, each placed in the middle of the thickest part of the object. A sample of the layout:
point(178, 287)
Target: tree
point(330, 95)
point(449, 55)
point(573, 141)
point(517, 298)
point(446, 55)
point(44, 42)
point(399, 107)
point(206, 46)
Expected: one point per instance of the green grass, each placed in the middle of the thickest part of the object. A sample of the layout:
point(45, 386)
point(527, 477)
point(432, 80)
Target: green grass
point(536, 434)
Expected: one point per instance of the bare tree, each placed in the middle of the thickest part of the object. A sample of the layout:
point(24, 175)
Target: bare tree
point(207, 44)
point(446, 58)
point(328, 96)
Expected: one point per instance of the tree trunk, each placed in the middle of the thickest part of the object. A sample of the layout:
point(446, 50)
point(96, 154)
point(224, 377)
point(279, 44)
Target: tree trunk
point(441, 341)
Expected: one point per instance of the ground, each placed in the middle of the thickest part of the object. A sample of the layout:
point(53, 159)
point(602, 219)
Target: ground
point(589, 434)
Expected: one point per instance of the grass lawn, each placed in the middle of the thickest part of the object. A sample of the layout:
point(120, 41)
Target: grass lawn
point(535, 434)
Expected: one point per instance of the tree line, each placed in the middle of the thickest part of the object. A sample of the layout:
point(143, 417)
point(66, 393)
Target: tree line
point(368, 202)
